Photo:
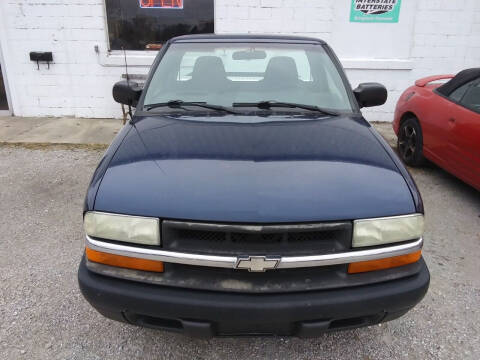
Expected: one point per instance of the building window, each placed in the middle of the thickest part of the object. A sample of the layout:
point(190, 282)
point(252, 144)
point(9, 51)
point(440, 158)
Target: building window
point(140, 24)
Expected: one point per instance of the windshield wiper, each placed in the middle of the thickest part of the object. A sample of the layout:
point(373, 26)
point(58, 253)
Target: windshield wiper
point(180, 103)
point(269, 104)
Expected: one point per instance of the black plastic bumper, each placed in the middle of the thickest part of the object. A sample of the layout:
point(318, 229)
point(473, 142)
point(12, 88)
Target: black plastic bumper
point(206, 313)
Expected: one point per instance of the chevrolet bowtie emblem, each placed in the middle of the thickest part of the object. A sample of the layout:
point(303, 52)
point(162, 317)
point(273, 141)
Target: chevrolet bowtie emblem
point(257, 263)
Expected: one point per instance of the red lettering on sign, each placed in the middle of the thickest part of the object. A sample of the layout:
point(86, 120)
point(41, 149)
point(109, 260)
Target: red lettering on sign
point(161, 4)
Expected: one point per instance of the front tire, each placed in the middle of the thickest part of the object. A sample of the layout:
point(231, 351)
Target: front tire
point(410, 142)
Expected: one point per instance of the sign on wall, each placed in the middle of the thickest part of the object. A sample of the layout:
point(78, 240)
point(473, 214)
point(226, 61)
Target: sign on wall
point(375, 11)
point(146, 24)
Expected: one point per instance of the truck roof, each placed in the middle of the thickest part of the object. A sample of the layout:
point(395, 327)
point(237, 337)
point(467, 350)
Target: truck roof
point(247, 38)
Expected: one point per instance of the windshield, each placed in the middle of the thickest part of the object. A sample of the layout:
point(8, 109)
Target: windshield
point(227, 74)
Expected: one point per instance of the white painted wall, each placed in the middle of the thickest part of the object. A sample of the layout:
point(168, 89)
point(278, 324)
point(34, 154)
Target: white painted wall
point(432, 36)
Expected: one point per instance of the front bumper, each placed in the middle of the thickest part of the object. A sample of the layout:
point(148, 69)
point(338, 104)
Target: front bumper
point(206, 313)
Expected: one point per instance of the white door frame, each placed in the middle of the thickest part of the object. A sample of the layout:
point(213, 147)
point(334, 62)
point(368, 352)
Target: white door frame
point(5, 82)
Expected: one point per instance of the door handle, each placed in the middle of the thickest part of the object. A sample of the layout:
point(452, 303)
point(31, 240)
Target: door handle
point(451, 120)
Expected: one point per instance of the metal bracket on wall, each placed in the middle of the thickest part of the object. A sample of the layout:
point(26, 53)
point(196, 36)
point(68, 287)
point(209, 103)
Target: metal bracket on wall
point(41, 56)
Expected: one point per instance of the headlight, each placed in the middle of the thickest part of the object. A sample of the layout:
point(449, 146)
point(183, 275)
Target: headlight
point(379, 231)
point(132, 229)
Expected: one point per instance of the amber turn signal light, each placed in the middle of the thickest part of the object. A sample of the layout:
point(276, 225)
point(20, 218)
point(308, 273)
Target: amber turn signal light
point(387, 263)
point(123, 261)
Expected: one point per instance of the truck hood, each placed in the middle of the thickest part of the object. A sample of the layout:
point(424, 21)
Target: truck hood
point(253, 169)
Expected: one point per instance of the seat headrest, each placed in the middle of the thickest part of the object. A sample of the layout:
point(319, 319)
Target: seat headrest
point(208, 69)
point(281, 70)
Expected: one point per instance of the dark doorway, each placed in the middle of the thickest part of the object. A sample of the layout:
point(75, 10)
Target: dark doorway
point(3, 93)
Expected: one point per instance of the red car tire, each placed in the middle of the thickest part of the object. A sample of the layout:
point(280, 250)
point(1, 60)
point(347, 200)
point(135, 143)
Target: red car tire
point(410, 142)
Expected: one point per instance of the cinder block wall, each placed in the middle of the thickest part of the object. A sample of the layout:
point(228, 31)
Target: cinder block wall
point(433, 36)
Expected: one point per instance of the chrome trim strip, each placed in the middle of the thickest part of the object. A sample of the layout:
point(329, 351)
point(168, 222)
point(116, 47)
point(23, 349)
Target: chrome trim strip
point(350, 256)
point(162, 255)
point(230, 262)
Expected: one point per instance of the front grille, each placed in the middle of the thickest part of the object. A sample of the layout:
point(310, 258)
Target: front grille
point(235, 240)
point(221, 239)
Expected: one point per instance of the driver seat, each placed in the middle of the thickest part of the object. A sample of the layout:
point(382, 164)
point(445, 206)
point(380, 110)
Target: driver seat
point(209, 74)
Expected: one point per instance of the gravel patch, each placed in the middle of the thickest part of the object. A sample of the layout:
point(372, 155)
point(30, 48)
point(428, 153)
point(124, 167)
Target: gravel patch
point(44, 316)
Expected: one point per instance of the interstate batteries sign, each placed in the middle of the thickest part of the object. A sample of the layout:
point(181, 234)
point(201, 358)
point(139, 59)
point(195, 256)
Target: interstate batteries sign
point(375, 11)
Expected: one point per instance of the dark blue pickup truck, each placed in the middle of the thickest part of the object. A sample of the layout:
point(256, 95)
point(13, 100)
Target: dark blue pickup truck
point(248, 195)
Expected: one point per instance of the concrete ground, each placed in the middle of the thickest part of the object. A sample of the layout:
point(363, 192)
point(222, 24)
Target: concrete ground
point(67, 130)
point(43, 315)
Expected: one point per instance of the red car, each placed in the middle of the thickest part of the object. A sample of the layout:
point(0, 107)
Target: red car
point(441, 122)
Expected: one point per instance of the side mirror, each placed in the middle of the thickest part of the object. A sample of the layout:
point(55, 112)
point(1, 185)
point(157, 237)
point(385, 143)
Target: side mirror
point(370, 94)
point(127, 92)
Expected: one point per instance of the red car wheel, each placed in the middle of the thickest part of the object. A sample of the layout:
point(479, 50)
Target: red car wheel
point(410, 142)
